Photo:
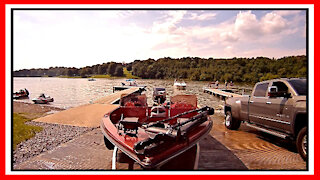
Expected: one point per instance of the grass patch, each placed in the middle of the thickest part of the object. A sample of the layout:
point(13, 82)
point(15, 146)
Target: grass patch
point(101, 76)
point(128, 74)
point(69, 76)
point(21, 131)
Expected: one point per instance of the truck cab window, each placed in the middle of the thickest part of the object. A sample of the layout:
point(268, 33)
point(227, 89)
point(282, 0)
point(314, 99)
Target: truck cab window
point(282, 89)
point(261, 90)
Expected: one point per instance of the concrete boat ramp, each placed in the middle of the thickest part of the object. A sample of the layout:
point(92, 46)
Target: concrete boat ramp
point(88, 115)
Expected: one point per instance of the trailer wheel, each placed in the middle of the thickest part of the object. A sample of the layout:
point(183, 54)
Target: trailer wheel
point(230, 122)
point(302, 143)
point(108, 144)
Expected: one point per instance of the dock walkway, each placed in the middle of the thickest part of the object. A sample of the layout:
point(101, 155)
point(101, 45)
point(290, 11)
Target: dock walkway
point(221, 92)
point(88, 115)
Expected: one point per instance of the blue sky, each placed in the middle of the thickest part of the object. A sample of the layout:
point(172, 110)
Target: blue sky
point(79, 38)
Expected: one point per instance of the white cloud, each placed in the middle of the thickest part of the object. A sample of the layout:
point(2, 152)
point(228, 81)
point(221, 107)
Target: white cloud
point(168, 25)
point(247, 23)
point(202, 17)
point(287, 12)
point(273, 23)
point(231, 38)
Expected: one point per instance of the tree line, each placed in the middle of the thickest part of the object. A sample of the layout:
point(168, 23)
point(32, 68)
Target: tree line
point(110, 68)
point(249, 70)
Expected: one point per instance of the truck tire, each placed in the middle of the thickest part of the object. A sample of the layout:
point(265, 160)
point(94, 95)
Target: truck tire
point(302, 143)
point(231, 123)
point(108, 144)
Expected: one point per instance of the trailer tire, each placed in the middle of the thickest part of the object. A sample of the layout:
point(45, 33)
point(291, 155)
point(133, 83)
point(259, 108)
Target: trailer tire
point(108, 144)
point(230, 122)
point(302, 143)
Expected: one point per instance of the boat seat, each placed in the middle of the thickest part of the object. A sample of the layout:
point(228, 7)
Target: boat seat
point(130, 122)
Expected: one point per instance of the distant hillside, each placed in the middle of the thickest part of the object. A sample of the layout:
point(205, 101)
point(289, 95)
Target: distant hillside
point(236, 69)
point(108, 69)
point(248, 70)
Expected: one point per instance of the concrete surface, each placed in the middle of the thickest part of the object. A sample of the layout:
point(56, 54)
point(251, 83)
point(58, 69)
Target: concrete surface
point(88, 115)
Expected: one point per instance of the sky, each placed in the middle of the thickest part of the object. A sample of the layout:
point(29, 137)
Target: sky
point(79, 38)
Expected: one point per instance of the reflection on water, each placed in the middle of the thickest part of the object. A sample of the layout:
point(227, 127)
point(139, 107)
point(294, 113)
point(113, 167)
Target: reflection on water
point(71, 92)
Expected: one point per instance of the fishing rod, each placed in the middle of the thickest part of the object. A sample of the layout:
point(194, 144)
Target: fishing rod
point(207, 109)
point(171, 134)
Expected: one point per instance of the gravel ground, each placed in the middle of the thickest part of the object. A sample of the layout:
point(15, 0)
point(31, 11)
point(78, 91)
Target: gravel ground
point(50, 137)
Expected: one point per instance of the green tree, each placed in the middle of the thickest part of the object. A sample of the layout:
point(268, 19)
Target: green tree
point(119, 71)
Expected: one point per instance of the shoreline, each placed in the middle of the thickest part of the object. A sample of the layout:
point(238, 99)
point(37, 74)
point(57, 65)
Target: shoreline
point(33, 111)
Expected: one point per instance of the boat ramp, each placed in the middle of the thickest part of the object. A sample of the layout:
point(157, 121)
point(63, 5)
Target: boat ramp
point(88, 115)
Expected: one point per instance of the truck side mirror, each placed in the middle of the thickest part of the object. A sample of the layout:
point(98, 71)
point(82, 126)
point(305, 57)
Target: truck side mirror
point(273, 91)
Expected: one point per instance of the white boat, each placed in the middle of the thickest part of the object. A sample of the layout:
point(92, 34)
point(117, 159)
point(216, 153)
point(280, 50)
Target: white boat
point(42, 99)
point(179, 84)
point(128, 84)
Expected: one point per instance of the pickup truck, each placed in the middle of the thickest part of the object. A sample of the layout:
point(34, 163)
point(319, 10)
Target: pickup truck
point(277, 107)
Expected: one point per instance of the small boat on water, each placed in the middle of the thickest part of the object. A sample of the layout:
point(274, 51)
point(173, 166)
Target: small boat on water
point(153, 136)
point(42, 99)
point(22, 93)
point(179, 84)
point(91, 79)
point(127, 84)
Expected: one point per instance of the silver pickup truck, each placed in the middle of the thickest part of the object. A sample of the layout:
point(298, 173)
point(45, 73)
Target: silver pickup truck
point(277, 107)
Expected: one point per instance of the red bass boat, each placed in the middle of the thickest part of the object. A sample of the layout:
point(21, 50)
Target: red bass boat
point(152, 136)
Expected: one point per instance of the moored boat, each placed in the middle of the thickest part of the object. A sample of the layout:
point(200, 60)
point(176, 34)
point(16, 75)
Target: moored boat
point(42, 99)
point(179, 84)
point(22, 93)
point(128, 84)
point(152, 136)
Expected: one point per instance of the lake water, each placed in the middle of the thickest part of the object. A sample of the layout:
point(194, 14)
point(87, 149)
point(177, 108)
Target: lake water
point(71, 92)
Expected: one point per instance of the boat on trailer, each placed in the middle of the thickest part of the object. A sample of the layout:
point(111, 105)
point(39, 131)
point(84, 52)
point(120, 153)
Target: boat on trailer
point(153, 136)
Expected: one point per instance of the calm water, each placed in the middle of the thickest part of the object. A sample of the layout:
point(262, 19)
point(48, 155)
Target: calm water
point(69, 92)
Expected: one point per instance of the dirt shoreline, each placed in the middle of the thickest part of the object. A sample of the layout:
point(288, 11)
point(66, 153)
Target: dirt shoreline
point(33, 111)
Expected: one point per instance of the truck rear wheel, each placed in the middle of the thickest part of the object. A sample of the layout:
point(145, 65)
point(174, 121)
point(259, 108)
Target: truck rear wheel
point(230, 122)
point(302, 143)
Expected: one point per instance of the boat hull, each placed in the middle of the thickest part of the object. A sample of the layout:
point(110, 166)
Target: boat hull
point(126, 143)
point(180, 87)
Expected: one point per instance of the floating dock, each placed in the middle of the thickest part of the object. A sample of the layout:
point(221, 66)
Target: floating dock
point(88, 115)
point(224, 93)
point(115, 97)
point(121, 88)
